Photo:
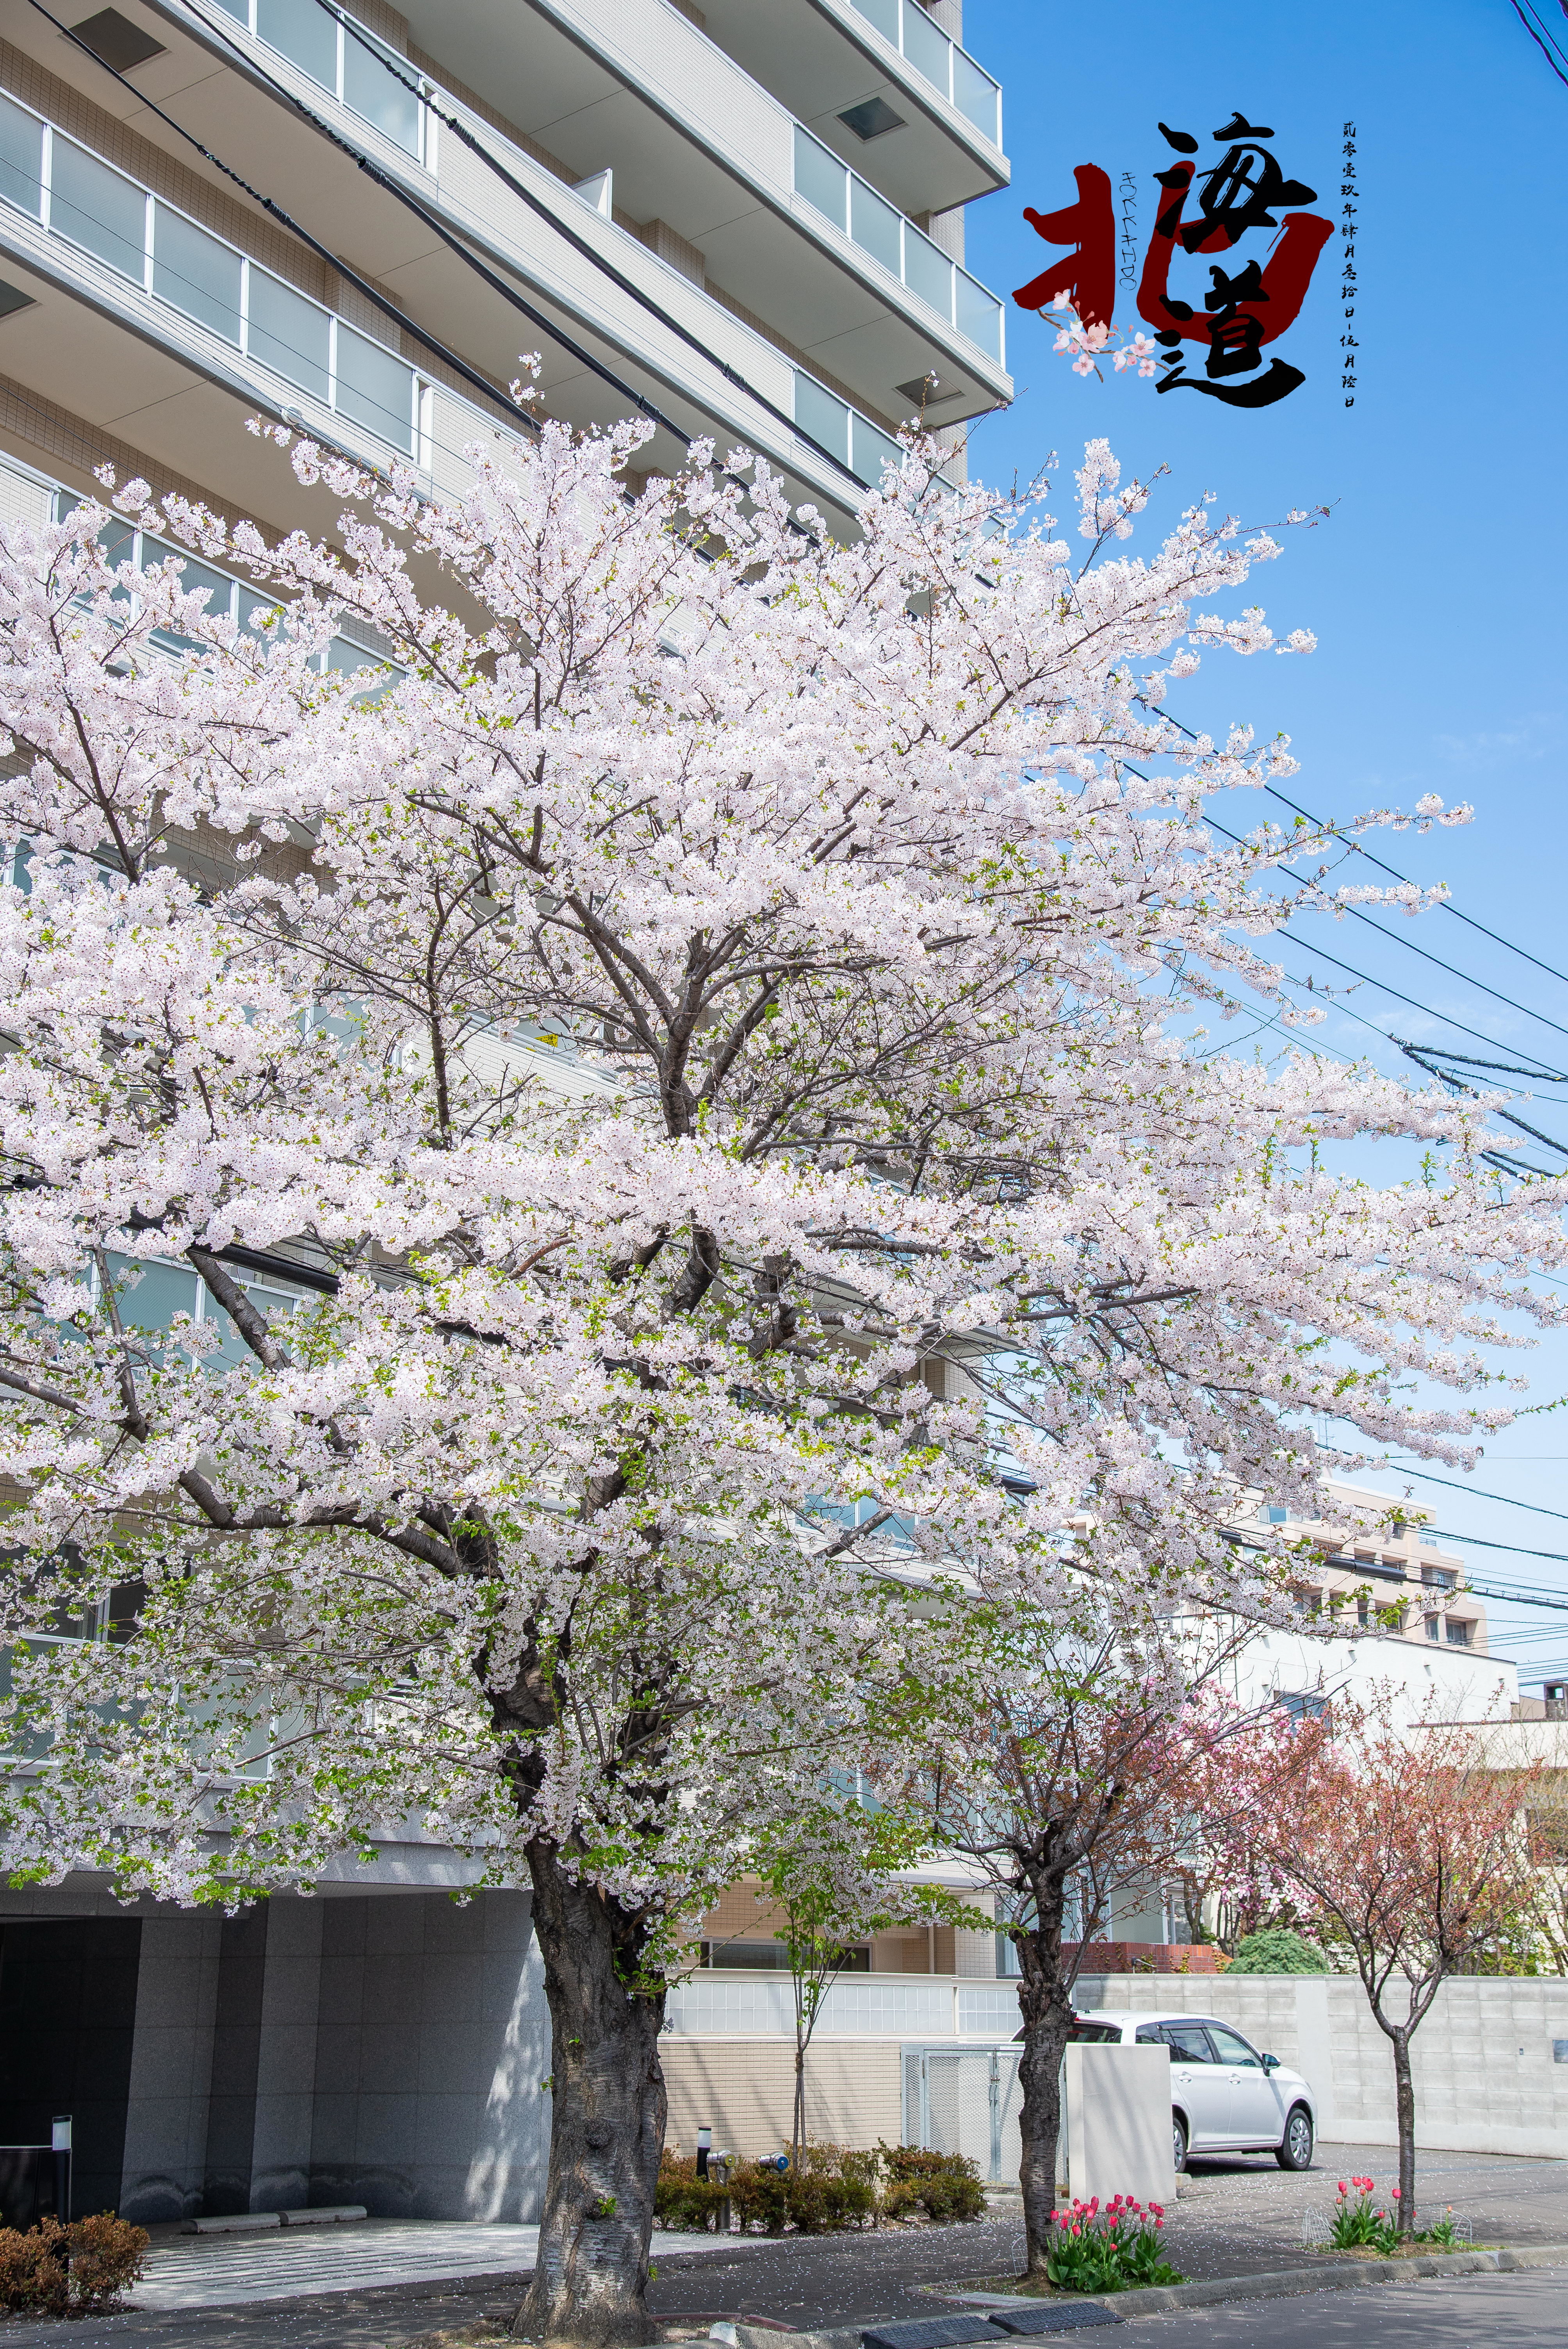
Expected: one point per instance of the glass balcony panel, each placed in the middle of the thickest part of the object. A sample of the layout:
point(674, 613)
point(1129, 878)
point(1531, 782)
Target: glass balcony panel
point(378, 96)
point(926, 46)
point(978, 313)
point(928, 272)
point(375, 388)
point(97, 209)
point(196, 575)
point(873, 450)
point(305, 33)
point(239, 9)
point(883, 15)
point(976, 96)
point(286, 332)
point(876, 226)
point(821, 178)
point(232, 1347)
point(195, 273)
point(826, 418)
point(21, 159)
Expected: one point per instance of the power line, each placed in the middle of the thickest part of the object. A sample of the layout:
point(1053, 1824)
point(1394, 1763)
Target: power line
point(1419, 1476)
point(1544, 38)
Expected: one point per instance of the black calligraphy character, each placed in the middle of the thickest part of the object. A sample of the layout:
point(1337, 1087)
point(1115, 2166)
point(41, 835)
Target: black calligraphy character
point(1242, 191)
point(1235, 336)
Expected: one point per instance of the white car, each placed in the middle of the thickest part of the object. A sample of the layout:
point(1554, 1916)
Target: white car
point(1225, 2097)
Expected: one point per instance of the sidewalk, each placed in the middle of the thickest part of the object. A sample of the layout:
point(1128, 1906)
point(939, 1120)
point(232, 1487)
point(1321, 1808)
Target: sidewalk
point(383, 2284)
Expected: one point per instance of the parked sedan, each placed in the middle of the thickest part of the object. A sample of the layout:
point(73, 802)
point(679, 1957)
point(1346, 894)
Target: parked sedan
point(1225, 2097)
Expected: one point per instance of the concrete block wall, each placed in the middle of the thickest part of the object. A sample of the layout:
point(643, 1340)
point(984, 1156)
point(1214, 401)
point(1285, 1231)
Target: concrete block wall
point(431, 2041)
point(744, 2090)
point(1485, 2077)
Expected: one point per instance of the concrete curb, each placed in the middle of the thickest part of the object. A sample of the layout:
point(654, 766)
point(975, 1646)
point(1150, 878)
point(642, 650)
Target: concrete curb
point(1155, 2300)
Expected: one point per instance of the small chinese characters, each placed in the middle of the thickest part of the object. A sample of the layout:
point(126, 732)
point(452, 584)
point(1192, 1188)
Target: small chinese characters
point(1127, 189)
point(1348, 342)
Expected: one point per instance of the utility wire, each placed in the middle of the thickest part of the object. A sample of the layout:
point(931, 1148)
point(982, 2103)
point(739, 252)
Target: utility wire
point(1543, 37)
point(388, 308)
point(1419, 1476)
point(1446, 904)
point(420, 89)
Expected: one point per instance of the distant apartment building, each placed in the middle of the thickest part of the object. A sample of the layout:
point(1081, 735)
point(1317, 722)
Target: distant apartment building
point(746, 222)
point(1397, 1578)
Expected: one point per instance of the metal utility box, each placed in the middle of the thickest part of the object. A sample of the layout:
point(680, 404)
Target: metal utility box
point(1115, 2124)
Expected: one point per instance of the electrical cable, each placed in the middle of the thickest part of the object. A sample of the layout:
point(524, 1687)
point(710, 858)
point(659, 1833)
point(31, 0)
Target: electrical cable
point(1419, 1476)
point(1446, 904)
point(420, 89)
point(362, 284)
point(1544, 39)
point(509, 293)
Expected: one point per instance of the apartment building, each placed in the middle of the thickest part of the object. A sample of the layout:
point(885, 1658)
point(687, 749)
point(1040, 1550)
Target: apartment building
point(744, 223)
point(1395, 1578)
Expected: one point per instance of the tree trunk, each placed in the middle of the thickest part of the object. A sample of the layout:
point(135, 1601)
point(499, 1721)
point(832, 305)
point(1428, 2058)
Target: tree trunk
point(1046, 2008)
point(1404, 2115)
point(607, 2130)
point(798, 2137)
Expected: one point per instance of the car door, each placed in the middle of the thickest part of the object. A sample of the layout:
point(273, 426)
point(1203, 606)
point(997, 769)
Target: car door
point(1255, 2114)
point(1198, 2084)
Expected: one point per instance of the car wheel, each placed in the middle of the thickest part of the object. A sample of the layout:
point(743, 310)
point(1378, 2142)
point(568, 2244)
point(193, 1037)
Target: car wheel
point(1179, 2142)
point(1294, 2150)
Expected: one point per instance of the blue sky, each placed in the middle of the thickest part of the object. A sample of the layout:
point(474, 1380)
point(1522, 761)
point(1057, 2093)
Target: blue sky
point(1436, 587)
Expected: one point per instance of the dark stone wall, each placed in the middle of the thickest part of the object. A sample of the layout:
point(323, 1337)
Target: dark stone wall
point(67, 2021)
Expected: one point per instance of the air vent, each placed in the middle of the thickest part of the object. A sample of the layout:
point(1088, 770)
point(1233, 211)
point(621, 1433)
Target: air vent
point(13, 298)
point(872, 119)
point(926, 391)
point(114, 39)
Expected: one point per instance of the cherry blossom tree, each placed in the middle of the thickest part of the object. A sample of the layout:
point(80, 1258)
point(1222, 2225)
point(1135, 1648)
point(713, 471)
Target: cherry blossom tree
point(621, 1478)
point(1408, 1847)
point(1066, 1774)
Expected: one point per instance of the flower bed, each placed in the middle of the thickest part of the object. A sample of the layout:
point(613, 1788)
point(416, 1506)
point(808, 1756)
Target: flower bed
point(1111, 2247)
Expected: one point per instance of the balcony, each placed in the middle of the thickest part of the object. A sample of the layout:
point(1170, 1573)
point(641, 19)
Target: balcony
point(880, 84)
point(873, 225)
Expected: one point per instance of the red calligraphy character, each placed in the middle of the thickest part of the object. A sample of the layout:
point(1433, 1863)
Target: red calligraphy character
point(1086, 277)
point(1282, 285)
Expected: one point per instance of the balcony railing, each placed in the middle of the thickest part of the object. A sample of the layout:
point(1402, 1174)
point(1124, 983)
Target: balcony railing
point(879, 228)
point(964, 84)
point(345, 63)
point(78, 197)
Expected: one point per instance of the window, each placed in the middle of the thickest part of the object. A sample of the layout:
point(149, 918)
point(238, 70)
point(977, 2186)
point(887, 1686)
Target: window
point(1188, 2042)
point(1302, 1704)
point(1457, 1633)
point(1231, 2048)
point(1094, 2034)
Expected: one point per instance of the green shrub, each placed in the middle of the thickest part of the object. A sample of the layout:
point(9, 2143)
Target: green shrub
point(74, 2271)
point(1276, 1950)
point(684, 2200)
point(945, 2185)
